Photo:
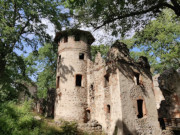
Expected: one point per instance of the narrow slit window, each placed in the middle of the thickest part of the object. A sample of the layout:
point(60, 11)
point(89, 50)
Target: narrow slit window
point(136, 75)
point(78, 80)
point(140, 108)
point(59, 61)
point(88, 113)
point(81, 56)
point(77, 38)
point(65, 39)
point(58, 79)
point(108, 109)
point(106, 80)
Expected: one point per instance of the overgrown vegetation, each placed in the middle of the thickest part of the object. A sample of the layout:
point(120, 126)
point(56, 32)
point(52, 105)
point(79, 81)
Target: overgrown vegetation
point(18, 119)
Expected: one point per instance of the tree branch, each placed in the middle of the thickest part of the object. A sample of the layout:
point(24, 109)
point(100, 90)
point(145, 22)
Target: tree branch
point(176, 7)
point(21, 32)
point(158, 6)
point(15, 10)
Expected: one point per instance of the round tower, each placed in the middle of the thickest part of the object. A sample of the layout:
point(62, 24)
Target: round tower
point(71, 82)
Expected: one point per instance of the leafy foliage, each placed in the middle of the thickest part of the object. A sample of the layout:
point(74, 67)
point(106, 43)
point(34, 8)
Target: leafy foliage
point(119, 15)
point(70, 127)
point(19, 120)
point(160, 41)
point(22, 24)
point(44, 65)
point(13, 82)
point(47, 78)
point(103, 49)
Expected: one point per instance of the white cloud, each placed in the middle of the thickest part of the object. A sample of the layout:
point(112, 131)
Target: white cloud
point(50, 27)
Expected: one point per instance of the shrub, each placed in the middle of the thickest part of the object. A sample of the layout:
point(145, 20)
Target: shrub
point(17, 119)
point(69, 128)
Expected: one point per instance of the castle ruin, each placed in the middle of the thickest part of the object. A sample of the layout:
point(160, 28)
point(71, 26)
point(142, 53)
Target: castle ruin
point(117, 93)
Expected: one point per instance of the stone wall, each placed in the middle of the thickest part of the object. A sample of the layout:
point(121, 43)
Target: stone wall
point(120, 92)
point(167, 89)
point(169, 105)
point(71, 100)
point(157, 91)
point(30, 93)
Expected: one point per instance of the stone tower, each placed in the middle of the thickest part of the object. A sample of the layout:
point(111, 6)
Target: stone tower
point(71, 79)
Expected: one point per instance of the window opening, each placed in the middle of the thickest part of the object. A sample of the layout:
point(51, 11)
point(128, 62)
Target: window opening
point(140, 108)
point(78, 80)
point(81, 56)
point(137, 78)
point(162, 123)
point(88, 114)
point(77, 38)
point(106, 80)
point(58, 79)
point(108, 108)
point(59, 59)
point(65, 39)
point(92, 86)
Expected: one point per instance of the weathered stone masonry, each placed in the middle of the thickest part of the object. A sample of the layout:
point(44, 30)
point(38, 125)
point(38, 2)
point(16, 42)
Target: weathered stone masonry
point(117, 93)
point(167, 93)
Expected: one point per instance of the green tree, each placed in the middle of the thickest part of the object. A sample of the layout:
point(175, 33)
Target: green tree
point(13, 82)
point(43, 67)
point(159, 41)
point(48, 62)
point(119, 15)
point(103, 49)
point(21, 26)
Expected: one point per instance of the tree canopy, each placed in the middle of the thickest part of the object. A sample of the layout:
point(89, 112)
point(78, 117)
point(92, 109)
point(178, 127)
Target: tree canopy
point(119, 15)
point(44, 65)
point(160, 42)
point(22, 24)
point(103, 49)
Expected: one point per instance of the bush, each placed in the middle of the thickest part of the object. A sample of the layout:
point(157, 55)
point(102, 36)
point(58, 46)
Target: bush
point(69, 128)
point(17, 119)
